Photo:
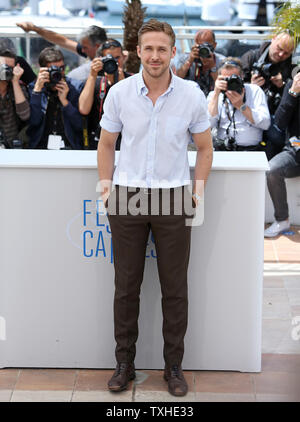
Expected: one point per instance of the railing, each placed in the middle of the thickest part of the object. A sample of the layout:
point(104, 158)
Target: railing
point(183, 33)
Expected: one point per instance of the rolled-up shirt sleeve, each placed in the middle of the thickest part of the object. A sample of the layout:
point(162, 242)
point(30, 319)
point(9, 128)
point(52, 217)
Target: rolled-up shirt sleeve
point(212, 119)
point(110, 120)
point(200, 120)
point(259, 109)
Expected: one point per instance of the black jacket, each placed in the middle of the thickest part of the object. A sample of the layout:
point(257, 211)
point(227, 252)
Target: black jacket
point(252, 56)
point(287, 115)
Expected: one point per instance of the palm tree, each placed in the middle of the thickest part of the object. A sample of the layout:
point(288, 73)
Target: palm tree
point(133, 19)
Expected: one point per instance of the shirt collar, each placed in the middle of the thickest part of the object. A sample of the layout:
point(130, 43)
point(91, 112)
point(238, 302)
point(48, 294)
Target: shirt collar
point(143, 90)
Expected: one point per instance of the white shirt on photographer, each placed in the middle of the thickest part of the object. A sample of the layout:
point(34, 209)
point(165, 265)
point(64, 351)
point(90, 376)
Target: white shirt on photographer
point(247, 133)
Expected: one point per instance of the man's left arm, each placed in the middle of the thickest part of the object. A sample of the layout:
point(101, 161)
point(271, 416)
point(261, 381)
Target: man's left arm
point(203, 142)
point(22, 104)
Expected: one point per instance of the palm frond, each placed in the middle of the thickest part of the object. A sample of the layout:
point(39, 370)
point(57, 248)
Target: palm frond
point(287, 19)
point(133, 19)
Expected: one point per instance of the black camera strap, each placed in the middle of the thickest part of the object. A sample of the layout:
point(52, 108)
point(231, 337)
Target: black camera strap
point(263, 57)
point(102, 89)
point(230, 118)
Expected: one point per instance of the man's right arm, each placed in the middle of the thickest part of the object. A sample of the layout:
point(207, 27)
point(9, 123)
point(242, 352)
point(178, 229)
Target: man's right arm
point(186, 62)
point(50, 36)
point(86, 98)
point(106, 161)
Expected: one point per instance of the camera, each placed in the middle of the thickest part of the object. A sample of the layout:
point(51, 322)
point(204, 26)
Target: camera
point(205, 50)
point(227, 144)
point(273, 100)
point(110, 64)
point(3, 143)
point(235, 83)
point(266, 70)
point(55, 75)
point(6, 72)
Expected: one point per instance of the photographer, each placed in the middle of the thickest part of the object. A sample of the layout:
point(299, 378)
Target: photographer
point(286, 164)
point(106, 70)
point(270, 67)
point(55, 121)
point(202, 63)
point(238, 111)
point(14, 106)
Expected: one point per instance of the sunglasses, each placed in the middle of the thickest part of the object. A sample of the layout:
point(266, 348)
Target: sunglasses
point(109, 44)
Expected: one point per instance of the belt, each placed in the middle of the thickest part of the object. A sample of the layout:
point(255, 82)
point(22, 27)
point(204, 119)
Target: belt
point(149, 191)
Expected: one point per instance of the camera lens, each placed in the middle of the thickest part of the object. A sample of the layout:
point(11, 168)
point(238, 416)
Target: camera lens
point(6, 72)
point(110, 65)
point(204, 52)
point(55, 75)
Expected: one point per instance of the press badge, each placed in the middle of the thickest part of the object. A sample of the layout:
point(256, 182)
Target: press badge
point(55, 142)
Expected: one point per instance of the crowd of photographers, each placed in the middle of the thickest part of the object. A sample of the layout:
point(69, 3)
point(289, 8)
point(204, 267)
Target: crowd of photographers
point(63, 111)
point(253, 101)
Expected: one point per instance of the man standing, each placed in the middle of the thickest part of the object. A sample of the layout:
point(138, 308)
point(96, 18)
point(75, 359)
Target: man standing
point(14, 105)
point(98, 83)
point(156, 122)
point(55, 121)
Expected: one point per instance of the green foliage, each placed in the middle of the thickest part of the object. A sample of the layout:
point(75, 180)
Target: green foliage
point(287, 19)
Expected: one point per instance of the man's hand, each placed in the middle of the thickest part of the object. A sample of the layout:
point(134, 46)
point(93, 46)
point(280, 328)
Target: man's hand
point(17, 72)
point(96, 66)
point(42, 78)
point(236, 99)
point(194, 54)
point(62, 92)
point(296, 83)
point(277, 80)
point(26, 26)
point(121, 73)
point(220, 84)
point(257, 79)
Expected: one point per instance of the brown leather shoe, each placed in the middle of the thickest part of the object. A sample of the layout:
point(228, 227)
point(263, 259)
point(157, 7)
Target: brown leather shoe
point(124, 373)
point(177, 385)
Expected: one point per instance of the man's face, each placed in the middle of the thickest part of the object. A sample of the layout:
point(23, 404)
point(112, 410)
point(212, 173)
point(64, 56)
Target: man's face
point(281, 48)
point(206, 37)
point(88, 48)
point(156, 53)
point(228, 72)
point(117, 54)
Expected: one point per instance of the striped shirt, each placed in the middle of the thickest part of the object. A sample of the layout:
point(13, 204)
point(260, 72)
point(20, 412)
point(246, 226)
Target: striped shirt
point(11, 113)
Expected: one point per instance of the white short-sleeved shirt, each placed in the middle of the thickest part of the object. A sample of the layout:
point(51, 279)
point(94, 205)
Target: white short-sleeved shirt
point(247, 133)
point(153, 150)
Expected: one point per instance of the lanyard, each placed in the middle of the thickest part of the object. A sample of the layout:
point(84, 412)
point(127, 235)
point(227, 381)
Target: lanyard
point(102, 93)
point(230, 118)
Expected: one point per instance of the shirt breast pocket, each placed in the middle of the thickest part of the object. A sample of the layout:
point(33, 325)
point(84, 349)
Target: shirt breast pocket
point(175, 127)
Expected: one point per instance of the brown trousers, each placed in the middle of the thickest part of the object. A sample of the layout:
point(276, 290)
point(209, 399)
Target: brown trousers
point(172, 242)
